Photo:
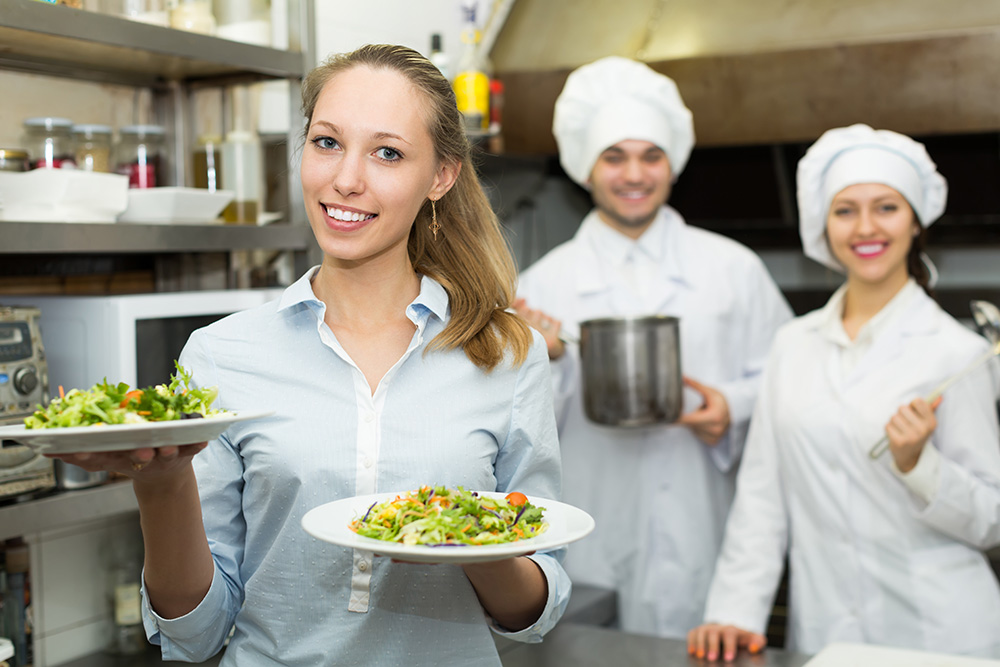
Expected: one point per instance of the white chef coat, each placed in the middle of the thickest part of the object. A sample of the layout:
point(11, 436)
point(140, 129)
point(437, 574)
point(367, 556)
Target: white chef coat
point(659, 495)
point(871, 560)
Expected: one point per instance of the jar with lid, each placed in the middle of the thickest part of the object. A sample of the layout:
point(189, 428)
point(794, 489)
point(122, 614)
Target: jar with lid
point(49, 142)
point(93, 147)
point(13, 159)
point(139, 155)
point(193, 16)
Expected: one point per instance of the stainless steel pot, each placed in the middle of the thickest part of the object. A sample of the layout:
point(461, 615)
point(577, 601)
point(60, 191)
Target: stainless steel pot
point(69, 476)
point(631, 370)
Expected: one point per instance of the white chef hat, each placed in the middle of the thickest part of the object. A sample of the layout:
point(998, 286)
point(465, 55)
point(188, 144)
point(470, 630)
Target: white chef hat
point(848, 156)
point(614, 99)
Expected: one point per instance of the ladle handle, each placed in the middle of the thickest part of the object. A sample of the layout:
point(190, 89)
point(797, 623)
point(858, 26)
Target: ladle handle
point(567, 338)
point(883, 444)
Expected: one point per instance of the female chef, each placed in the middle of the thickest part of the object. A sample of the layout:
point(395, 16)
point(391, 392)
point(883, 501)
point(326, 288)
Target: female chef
point(884, 551)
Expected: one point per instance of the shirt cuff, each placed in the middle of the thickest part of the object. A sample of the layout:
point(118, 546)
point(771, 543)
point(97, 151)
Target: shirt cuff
point(196, 630)
point(559, 589)
point(925, 478)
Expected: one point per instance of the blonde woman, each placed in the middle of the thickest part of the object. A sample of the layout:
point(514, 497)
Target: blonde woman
point(391, 365)
point(886, 551)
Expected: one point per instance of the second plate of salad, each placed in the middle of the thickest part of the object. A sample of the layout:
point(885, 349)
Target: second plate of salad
point(338, 523)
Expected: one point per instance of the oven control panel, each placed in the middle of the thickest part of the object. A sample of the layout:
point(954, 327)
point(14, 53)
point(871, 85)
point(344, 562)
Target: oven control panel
point(24, 374)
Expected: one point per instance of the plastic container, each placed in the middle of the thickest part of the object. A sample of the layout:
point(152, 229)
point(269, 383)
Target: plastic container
point(139, 155)
point(92, 147)
point(49, 142)
point(13, 159)
point(247, 21)
point(472, 83)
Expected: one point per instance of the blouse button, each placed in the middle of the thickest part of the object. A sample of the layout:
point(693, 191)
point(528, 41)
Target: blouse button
point(369, 417)
point(363, 566)
point(368, 462)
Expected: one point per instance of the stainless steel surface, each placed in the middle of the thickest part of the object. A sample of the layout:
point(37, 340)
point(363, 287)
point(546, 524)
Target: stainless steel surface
point(987, 317)
point(70, 477)
point(102, 47)
point(31, 237)
point(631, 370)
point(65, 509)
point(588, 646)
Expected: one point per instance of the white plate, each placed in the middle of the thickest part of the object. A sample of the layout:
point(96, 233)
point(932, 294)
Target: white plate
point(175, 205)
point(329, 523)
point(118, 437)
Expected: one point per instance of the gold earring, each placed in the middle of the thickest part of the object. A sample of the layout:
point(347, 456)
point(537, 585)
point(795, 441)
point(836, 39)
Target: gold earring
point(435, 225)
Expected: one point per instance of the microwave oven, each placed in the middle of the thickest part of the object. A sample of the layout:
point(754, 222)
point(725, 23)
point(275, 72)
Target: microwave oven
point(131, 338)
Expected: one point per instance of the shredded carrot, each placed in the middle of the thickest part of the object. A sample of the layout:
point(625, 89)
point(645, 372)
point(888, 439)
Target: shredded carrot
point(467, 527)
point(62, 392)
point(143, 412)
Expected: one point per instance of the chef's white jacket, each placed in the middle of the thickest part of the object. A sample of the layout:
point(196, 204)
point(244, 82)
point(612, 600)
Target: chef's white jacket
point(872, 558)
point(659, 495)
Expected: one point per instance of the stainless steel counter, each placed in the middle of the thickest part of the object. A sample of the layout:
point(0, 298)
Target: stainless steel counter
point(589, 646)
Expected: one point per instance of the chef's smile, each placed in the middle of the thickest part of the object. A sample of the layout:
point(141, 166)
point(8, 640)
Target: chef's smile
point(870, 249)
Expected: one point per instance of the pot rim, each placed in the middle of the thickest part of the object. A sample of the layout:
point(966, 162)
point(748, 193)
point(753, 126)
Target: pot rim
point(630, 321)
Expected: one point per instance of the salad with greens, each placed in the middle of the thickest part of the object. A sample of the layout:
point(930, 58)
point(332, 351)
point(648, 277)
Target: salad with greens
point(106, 403)
point(440, 516)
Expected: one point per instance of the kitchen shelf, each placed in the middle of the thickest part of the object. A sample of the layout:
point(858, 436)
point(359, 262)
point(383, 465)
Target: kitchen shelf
point(60, 238)
point(66, 509)
point(55, 39)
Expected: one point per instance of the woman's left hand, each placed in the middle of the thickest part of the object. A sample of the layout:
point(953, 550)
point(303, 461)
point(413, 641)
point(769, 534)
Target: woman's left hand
point(908, 431)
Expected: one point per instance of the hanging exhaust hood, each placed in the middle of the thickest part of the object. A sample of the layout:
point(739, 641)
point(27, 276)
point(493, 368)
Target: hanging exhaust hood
point(765, 72)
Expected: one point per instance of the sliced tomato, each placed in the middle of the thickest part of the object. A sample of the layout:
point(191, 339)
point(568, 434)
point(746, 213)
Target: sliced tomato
point(516, 498)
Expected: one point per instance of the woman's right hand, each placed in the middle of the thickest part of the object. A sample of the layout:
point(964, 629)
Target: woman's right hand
point(705, 641)
point(143, 464)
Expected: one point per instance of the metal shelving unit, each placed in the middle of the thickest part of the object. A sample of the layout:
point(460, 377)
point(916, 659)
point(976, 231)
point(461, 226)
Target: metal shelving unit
point(65, 509)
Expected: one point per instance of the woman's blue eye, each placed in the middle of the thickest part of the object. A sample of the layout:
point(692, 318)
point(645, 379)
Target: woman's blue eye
point(389, 154)
point(324, 142)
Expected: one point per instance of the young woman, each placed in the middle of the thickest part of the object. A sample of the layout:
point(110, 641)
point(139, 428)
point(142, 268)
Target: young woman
point(392, 365)
point(885, 551)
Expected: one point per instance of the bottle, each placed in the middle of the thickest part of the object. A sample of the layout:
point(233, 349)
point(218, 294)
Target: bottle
point(139, 155)
point(92, 147)
point(49, 142)
point(208, 162)
point(472, 84)
point(439, 57)
point(242, 161)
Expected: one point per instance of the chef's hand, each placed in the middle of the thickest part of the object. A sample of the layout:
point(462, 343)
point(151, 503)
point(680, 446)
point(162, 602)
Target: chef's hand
point(705, 641)
point(143, 464)
point(547, 326)
point(710, 421)
point(908, 431)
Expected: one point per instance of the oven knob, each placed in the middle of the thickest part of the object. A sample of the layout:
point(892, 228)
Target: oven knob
point(25, 380)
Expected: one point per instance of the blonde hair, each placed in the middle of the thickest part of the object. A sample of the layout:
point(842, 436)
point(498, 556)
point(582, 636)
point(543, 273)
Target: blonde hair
point(471, 258)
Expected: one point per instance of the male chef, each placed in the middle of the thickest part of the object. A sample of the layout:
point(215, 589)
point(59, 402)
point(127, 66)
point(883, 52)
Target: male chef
point(659, 494)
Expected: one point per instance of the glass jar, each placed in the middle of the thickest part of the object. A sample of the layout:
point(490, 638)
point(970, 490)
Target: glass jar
point(13, 159)
point(92, 147)
point(139, 155)
point(208, 162)
point(49, 142)
point(193, 16)
point(247, 21)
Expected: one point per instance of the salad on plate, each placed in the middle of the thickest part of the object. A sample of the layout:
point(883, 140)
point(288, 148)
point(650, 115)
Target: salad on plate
point(108, 404)
point(439, 516)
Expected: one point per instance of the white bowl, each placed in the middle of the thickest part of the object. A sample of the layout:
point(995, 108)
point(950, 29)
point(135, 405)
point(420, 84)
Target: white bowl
point(175, 205)
point(62, 195)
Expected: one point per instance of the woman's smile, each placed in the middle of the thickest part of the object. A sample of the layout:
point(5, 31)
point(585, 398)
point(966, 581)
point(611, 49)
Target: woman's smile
point(345, 218)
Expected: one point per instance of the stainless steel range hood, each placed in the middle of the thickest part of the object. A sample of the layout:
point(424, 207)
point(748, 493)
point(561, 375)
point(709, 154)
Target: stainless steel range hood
point(765, 71)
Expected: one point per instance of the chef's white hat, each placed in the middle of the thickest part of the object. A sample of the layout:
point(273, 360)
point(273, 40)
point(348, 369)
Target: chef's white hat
point(848, 156)
point(614, 99)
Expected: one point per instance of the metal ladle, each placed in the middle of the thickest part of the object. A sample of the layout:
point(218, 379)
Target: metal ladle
point(987, 318)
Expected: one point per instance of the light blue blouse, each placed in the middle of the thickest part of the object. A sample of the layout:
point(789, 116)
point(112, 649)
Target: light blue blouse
point(435, 418)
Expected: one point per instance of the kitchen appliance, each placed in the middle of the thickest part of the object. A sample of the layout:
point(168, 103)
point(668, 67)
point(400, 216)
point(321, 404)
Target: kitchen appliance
point(133, 338)
point(24, 383)
point(631, 370)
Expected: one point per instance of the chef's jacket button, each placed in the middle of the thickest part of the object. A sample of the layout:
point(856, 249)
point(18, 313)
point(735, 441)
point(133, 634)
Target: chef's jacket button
point(363, 566)
point(368, 462)
point(369, 417)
